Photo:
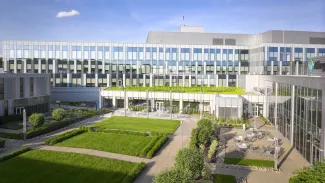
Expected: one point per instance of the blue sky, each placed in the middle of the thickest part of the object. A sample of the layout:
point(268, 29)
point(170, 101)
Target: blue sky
point(130, 21)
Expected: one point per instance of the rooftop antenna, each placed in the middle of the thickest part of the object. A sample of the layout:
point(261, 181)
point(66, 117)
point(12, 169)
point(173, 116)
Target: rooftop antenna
point(183, 21)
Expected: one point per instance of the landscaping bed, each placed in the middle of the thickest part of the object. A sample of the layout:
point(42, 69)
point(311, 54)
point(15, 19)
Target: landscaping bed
point(12, 125)
point(53, 167)
point(139, 124)
point(249, 162)
point(134, 145)
point(220, 178)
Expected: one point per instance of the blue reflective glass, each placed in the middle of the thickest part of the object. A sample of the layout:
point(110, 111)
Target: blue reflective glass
point(236, 51)
point(74, 48)
point(206, 50)
point(174, 50)
point(35, 47)
point(93, 48)
point(86, 48)
point(229, 51)
point(298, 50)
point(57, 48)
point(212, 50)
point(106, 48)
point(78, 48)
point(148, 49)
point(218, 51)
point(99, 48)
point(185, 50)
point(197, 50)
point(310, 50)
point(168, 49)
point(224, 51)
point(116, 49)
point(129, 49)
point(65, 48)
point(321, 50)
point(18, 47)
point(273, 49)
point(43, 47)
point(50, 47)
point(154, 49)
point(161, 49)
point(26, 47)
point(140, 49)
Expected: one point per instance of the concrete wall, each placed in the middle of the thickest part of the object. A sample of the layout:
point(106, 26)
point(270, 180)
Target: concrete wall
point(74, 94)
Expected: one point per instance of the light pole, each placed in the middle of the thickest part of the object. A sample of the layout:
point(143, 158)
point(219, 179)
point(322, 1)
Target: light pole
point(24, 124)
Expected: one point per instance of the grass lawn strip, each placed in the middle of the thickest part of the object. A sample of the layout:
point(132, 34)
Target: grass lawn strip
point(139, 124)
point(108, 142)
point(220, 178)
point(249, 162)
point(52, 167)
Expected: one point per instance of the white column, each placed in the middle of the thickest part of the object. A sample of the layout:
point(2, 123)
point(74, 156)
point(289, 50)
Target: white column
point(208, 80)
point(54, 66)
point(280, 67)
point(292, 113)
point(152, 104)
point(227, 80)
point(239, 69)
point(190, 81)
point(124, 80)
point(39, 66)
point(181, 103)
point(151, 80)
point(26, 87)
point(68, 79)
point(15, 65)
point(215, 68)
point(217, 80)
point(144, 80)
point(75, 66)
point(237, 82)
point(276, 107)
point(170, 80)
point(264, 101)
point(100, 100)
point(25, 65)
point(114, 101)
point(297, 68)
point(196, 68)
point(108, 81)
point(96, 80)
point(204, 67)
point(183, 80)
point(272, 64)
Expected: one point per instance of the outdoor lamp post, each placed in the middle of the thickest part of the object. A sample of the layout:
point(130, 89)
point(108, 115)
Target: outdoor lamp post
point(24, 124)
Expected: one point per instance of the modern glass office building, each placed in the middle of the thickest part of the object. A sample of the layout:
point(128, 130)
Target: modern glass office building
point(272, 65)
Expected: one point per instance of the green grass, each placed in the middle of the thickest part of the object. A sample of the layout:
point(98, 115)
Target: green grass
point(139, 124)
point(52, 167)
point(193, 89)
point(108, 142)
point(12, 125)
point(249, 162)
point(219, 178)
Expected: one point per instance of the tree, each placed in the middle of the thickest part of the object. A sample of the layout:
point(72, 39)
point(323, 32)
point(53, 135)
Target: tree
point(37, 120)
point(190, 159)
point(58, 114)
point(312, 174)
point(174, 176)
point(205, 123)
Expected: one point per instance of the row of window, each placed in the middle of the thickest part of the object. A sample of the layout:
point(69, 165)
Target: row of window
point(286, 53)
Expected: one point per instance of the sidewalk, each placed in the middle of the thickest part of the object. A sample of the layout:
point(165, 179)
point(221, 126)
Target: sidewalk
point(95, 153)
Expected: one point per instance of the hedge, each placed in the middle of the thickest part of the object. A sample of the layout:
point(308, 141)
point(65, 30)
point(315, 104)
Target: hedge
point(14, 154)
point(157, 146)
point(63, 136)
point(10, 118)
point(105, 130)
point(133, 174)
point(18, 136)
point(149, 146)
point(157, 134)
point(2, 143)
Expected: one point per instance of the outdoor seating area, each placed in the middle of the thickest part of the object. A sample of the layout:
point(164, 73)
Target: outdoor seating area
point(252, 144)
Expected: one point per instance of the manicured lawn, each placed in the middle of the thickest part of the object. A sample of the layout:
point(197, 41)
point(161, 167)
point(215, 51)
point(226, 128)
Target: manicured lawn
point(139, 124)
point(109, 142)
point(12, 125)
point(249, 162)
point(219, 178)
point(53, 167)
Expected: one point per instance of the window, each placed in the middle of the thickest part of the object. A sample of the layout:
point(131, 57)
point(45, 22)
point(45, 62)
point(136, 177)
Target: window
point(197, 54)
point(321, 52)
point(285, 54)
point(185, 53)
point(298, 54)
point(273, 53)
point(310, 52)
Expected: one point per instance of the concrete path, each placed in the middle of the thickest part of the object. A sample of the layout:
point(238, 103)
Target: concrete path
point(166, 157)
point(95, 153)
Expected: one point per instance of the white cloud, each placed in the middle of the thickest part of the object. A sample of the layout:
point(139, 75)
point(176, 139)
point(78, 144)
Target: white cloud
point(67, 14)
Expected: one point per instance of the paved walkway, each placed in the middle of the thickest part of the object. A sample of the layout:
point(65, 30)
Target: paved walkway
point(95, 153)
point(289, 162)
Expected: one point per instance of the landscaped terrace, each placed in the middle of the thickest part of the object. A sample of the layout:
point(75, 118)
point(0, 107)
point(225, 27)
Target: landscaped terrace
point(193, 89)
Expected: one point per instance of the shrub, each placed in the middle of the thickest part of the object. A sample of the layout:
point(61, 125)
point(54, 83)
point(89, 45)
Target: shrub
point(194, 140)
point(309, 174)
point(205, 123)
point(12, 135)
point(202, 148)
point(161, 141)
point(59, 114)
point(149, 146)
point(63, 136)
point(212, 149)
point(206, 172)
point(14, 154)
point(174, 176)
point(106, 130)
point(37, 120)
point(190, 159)
point(2, 143)
point(203, 136)
point(157, 134)
point(87, 128)
point(135, 171)
point(10, 118)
